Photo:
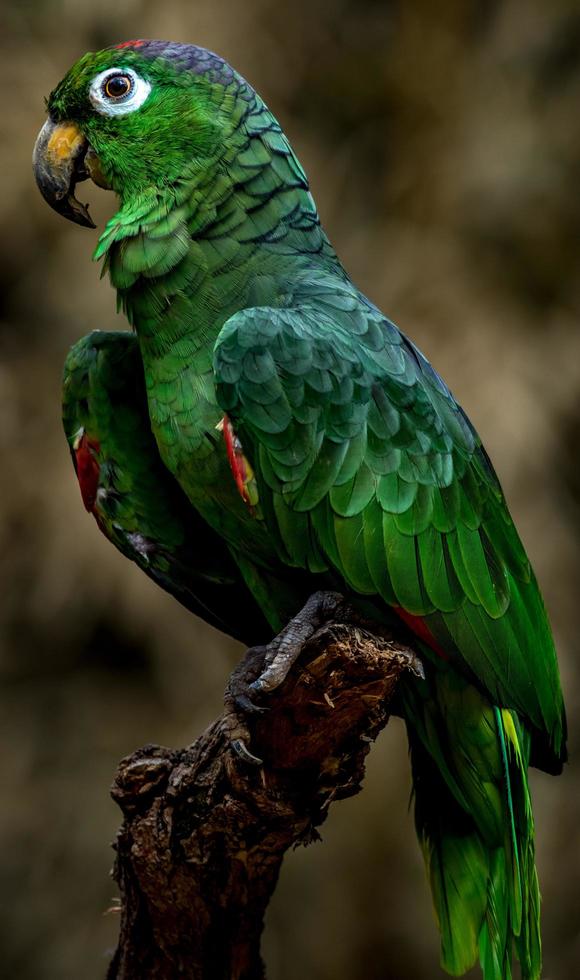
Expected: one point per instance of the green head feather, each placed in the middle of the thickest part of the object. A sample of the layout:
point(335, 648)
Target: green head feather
point(183, 126)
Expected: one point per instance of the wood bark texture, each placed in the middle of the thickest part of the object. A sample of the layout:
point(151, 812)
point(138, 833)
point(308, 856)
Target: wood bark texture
point(205, 832)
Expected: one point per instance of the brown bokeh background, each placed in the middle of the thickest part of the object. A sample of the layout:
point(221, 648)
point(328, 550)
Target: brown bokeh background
point(443, 145)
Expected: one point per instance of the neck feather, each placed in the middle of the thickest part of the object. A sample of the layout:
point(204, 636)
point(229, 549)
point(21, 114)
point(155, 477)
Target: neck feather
point(186, 257)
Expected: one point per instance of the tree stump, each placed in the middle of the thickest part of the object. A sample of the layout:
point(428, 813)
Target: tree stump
point(204, 832)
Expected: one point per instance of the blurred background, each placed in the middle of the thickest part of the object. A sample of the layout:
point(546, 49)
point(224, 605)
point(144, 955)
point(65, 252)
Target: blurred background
point(443, 145)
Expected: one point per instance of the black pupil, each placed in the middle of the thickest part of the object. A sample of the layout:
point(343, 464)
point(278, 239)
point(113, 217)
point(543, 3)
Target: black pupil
point(117, 86)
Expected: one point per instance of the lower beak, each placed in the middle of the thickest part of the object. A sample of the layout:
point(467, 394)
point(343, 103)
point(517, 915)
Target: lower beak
point(58, 165)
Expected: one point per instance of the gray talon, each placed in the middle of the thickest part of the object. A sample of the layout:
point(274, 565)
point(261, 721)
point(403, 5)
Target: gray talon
point(247, 706)
point(242, 751)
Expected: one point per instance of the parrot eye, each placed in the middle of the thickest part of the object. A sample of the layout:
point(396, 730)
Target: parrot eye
point(117, 91)
point(117, 86)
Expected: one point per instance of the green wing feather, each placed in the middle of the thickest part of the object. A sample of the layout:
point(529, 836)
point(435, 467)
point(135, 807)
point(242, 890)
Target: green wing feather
point(345, 421)
point(139, 506)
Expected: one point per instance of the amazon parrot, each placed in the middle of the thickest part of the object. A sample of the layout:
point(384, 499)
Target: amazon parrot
point(267, 433)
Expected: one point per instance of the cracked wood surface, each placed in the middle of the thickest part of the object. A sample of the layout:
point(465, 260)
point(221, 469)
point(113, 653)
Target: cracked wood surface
point(204, 832)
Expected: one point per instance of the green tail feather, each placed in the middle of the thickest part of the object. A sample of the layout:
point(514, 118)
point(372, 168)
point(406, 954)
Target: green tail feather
point(516, 753)
point(475, 825)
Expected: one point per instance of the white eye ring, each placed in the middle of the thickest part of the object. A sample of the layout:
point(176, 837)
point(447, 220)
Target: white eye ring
point(120, 106)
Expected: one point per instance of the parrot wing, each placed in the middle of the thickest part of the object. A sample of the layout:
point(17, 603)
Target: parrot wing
point(366, 463)
point(136, 502)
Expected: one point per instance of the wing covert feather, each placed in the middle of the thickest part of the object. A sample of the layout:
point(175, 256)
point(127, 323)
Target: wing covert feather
point(350, 424)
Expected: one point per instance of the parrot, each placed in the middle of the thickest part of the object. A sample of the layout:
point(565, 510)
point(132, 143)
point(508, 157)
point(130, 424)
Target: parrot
point(267, 432)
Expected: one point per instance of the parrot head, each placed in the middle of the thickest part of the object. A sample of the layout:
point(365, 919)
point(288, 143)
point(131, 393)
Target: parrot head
point(135, 117)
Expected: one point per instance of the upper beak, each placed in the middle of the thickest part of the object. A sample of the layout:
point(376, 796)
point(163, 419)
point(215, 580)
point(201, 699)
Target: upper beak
point(58, 164)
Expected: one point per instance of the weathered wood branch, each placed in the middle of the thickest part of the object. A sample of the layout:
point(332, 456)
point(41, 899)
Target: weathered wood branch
point(204, 832)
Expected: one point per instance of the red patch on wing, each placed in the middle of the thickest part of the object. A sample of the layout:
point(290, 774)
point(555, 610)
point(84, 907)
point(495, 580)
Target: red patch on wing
point(88, 470)
point(237, 460)
point(420, 629)
point(128, 44)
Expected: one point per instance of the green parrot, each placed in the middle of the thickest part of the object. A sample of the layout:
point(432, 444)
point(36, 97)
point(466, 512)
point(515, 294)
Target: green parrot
point(308, 445)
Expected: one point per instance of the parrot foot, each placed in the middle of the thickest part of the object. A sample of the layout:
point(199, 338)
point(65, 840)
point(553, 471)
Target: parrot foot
point(265, 668)
point(282, 653)
point(238, 704)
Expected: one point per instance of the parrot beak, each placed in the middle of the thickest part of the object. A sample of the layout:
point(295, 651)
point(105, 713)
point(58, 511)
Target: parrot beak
point(58, 162)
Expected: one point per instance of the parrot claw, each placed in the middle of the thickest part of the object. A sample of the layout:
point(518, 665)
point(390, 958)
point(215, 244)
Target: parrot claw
point(241, 749)
point(277, 671)
point(247, 706)
point(239, 705)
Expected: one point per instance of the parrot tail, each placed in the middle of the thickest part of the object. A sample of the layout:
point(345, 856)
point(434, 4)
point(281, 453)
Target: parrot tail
point(475, 825)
